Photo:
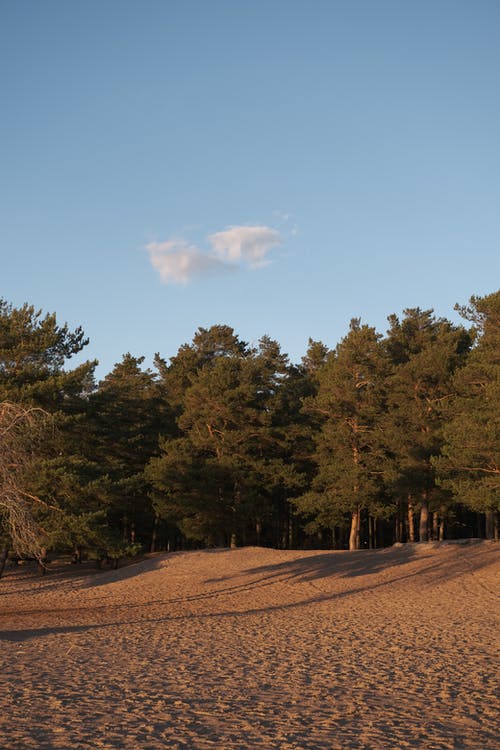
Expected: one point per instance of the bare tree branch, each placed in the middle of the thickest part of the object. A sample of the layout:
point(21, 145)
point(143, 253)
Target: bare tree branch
point(21, 432)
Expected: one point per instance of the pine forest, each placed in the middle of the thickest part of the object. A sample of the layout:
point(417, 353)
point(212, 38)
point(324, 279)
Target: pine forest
point(384, 439)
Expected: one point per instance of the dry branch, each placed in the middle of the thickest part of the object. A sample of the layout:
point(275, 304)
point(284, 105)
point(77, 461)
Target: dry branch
point(21, 432)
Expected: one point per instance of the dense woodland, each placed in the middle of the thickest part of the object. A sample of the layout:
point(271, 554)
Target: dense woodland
point(385, 438)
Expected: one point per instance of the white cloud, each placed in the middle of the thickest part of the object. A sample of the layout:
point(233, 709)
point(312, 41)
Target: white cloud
point(177, 262)
point(249, 245)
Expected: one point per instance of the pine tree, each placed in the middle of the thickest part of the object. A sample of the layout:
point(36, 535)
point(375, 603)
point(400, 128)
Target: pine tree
point(470, 461)
point(349, 400)
point(424, 352)
point(127, 415)
point(34, 351)
point(33, 354)
point(217, 478)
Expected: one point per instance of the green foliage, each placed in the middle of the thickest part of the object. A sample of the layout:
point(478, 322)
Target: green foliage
point(424, 352)
point(224, 439)
point(350, 401)
point(470, 461)
point(219, 475)
point(33, 352)
point(127, 414)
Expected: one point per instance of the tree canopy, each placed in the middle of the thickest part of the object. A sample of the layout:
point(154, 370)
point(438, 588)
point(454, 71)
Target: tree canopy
point(383, 438)
point(469, 464)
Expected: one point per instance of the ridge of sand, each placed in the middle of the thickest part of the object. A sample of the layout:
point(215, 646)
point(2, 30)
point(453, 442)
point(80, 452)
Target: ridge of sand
point(256, 648)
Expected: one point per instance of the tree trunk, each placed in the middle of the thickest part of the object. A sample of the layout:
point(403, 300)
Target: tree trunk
point(3, 559)
point(441, 523)
point(154, 534)
point(372, 532)
point(258, 530)
point(290, 531)
point(398, 525)
point(490, 524)
point(354, 533)
point(42, 567)
point(411, 520)
point(423, 534)
point(236, 505)
point(435, 526)
point(283, 534)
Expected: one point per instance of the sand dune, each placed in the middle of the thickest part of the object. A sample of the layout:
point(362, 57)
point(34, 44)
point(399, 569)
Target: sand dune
point(256, 648)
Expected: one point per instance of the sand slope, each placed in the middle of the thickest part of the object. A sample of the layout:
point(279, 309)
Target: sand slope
point(256, 648)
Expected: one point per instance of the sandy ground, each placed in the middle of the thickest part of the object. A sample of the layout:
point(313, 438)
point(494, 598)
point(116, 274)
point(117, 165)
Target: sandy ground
point(255, 648)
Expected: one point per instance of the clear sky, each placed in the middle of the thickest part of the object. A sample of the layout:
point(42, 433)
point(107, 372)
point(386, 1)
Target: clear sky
point(280, 166)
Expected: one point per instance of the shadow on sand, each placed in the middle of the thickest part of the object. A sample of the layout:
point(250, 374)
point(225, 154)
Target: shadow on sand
point(306, 569)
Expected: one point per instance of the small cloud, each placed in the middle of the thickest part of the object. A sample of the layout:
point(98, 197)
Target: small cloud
point(249, 245)
point(177, 262)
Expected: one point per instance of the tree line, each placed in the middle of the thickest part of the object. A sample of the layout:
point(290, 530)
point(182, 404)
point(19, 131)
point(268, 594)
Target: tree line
point(382, 439)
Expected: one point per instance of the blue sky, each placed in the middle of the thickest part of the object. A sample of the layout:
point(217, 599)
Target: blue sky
point(277, 166)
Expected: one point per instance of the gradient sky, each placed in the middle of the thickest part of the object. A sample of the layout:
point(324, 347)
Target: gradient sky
point(279, 166)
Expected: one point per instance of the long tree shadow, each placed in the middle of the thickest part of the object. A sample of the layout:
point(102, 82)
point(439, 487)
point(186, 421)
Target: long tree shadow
point(86, 576)
point(352, 564)
point(307, 569)
point(310, 569)
point(29, 633)
point(18, 635)
point(314, 566)
point(142, 566)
